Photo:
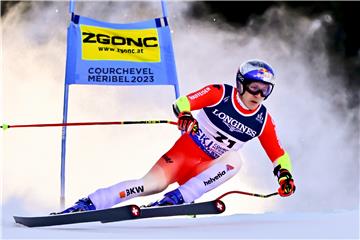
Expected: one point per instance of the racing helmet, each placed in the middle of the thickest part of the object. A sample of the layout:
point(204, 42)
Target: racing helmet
point(255, 71)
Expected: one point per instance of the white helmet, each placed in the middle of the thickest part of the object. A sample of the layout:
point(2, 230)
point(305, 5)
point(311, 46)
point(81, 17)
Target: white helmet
point(255, 71)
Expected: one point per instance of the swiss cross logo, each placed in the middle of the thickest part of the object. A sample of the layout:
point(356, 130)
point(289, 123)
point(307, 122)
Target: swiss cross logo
point(219, 206)
point(135, 211)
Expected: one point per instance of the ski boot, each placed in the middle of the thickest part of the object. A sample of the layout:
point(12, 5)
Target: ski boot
point(171, 198)
point(84, 204)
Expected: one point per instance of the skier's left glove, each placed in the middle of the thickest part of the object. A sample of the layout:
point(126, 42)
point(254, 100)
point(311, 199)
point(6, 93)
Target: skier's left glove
point(286, 182)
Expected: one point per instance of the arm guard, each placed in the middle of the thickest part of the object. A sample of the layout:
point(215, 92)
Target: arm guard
point(180, 105)
point(283, 167)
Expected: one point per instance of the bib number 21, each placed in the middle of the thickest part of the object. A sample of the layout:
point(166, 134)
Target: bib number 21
point(223, 139)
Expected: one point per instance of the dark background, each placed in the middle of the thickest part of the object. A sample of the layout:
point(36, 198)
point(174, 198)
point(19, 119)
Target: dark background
point(344, 34)
point(344, 37)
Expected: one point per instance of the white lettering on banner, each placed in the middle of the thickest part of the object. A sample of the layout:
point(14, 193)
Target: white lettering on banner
point(99, 71)
point(233, 124)
point(199, 94)
point(121, 75)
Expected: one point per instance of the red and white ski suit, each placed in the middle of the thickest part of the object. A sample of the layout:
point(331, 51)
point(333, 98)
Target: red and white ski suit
point(202, 161)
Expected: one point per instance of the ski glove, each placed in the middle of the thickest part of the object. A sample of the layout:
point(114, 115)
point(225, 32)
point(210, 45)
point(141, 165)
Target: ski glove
point(186, 122)
point(286, 182)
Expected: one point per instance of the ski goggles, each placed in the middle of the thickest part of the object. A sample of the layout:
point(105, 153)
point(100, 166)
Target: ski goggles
point(257, 87)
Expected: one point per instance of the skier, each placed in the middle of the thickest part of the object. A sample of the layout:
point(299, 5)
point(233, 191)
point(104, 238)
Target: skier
point(205, 156)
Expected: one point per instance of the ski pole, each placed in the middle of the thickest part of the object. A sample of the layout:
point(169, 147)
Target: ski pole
point(6, 126)
point(249, 194)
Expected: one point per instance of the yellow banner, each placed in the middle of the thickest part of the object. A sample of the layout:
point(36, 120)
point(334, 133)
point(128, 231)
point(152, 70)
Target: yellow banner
point(137, 45)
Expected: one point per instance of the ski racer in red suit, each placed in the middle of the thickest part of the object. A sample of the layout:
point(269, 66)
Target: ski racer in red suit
point(205, 156)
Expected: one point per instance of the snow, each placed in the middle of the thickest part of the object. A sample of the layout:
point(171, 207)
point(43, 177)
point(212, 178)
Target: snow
point(316, 126)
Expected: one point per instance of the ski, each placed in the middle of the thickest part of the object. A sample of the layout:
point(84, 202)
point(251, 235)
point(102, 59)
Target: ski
point(123, 213)
point(112, 214)
point(201, 208)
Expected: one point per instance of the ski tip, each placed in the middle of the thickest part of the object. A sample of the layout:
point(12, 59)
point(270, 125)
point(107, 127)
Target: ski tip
point(19, 221)
point(16, 218)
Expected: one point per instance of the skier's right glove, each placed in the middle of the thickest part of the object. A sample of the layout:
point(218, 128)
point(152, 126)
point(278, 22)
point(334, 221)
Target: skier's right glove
point(186, 122)
point(286, 182)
